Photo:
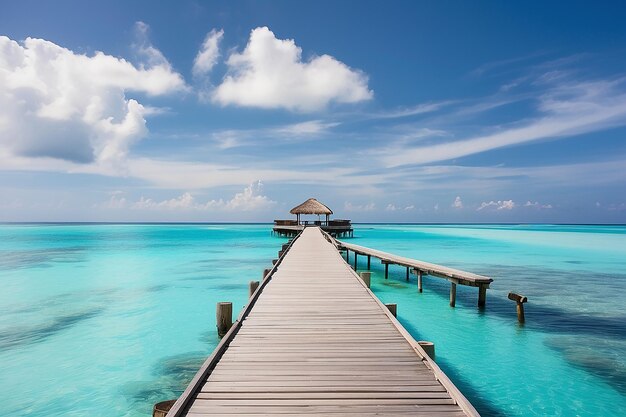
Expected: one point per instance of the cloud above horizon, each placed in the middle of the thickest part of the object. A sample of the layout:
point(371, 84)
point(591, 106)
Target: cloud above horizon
point(270, 73)
point(60, 104)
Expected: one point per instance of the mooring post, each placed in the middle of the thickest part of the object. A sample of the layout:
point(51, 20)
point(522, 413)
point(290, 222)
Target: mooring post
point(386, 270)
point(369, 258)
point(280, 253)
point(419, 280)
point(348, 255)
point(393, 308)
point(274, 261)
point(520, 300)
point(366, 277)
point(253, 286)
point(160, 409)
point(452, 294)
point(266, 273)
point(482, 295)
point(224, 316)
point(429, 348)
point(407, 274)
point(355, 260)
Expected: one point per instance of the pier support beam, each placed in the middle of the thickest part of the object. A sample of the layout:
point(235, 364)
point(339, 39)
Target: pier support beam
point(224, 316)
point(366, 277)
point(386, 270)
point(419, 281)
point(355, 260)
point(482, 295)
point(407, 274)
point(429, 348)
point(348, 256)
point(266, 273)
point(452, 294)
point(252, 287)
point(520, 300)
point(369, 258)
point(393, 309)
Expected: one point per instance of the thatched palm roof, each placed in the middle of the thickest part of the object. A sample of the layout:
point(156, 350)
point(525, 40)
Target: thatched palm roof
point(311, 206)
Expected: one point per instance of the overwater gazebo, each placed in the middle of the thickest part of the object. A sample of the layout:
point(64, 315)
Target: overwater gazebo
point(312, 206)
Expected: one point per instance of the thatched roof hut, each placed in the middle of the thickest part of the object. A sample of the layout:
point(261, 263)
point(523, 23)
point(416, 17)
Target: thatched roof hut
point(311, 206)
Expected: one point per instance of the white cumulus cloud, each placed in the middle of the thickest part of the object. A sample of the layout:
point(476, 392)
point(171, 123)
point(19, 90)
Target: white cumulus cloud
point(270, 73)
point(537, 204)
point(348, 206)
point(209, 53)
point(70, 106)
point(247, 200)
point(498, 205)
point(457, 203)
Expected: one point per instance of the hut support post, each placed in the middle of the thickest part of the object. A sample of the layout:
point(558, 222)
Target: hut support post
point(386, 270)
point(355, 260)
point(369, 258)
point(452, 294)
point(407, 274)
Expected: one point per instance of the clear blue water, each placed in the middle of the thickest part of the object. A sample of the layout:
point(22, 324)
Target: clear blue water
point(105, 320)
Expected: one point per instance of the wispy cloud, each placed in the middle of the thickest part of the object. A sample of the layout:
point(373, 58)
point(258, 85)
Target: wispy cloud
point(566, 110)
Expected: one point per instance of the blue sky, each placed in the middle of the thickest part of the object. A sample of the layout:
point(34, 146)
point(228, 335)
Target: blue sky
point(237, 111)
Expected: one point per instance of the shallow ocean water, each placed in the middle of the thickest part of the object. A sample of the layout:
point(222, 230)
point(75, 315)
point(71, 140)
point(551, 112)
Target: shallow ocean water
point(105, 320)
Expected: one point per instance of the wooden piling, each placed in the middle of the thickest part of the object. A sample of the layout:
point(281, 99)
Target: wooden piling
point(429, 348)
point(355, 260)
point(252, 287)
point(274, 261)
point(452, 294)
point(366, 277)
point(419, 280)
point(160, 409)
point(407, 274)
point(347, 256)
point(386, 270)
point(224, 316)
point(393, 308)
point(369, 258)
point(266, 273)
point(280, 253)
point(520, 300)
point(482, 295)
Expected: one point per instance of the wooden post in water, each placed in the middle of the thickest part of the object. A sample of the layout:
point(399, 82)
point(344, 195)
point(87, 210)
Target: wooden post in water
point(407, 274)
point(266, 272)
point(274, 261)
point(160, 409)
point(355, 260)
point(253, 286)
point(393, 308)
point(386, 270)
point(366, 277)
point(419, 280)
point(280, 253)
point(369, 258)
point(224, 316)
point(452, 294)
point(482, 295)
point(347, 256)
point(520, 300)
point(429, 348)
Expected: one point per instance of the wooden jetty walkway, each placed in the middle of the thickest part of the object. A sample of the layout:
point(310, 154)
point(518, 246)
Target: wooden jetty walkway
point(420, 268)
point(314, 340)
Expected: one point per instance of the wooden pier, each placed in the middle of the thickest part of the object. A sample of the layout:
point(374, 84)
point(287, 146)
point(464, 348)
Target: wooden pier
point(421, 268)
point(314, 340)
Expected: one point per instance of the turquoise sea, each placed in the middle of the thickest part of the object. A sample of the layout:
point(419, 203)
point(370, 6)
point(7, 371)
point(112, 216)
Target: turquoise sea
point(105, 320)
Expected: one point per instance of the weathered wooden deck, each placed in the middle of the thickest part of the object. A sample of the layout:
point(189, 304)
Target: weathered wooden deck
point(455, 276)
point(314, 340)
